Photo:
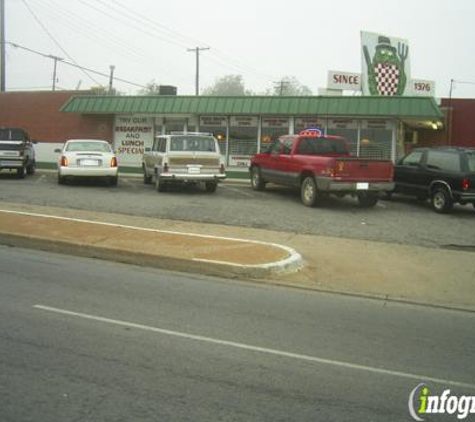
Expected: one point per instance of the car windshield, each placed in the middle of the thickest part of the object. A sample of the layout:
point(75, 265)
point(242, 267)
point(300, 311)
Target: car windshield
point(471, 161)
point(193, 143)
point(322, 146)
point(88, 146)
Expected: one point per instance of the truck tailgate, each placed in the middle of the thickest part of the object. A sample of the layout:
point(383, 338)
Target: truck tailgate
point(361, 169)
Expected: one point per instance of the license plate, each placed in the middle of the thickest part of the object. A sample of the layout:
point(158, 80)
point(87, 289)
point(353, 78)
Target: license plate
point(88, 162)
point(362, 186)
point(193, 170)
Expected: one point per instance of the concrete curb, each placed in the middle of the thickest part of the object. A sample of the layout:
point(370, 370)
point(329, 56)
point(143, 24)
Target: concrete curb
point(292, 263)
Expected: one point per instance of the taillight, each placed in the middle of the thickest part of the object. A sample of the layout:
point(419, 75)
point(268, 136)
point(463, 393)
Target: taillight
point(465, 184)
point(165, 168)
point(64, 161)
point(114, 162)
point(222, 170)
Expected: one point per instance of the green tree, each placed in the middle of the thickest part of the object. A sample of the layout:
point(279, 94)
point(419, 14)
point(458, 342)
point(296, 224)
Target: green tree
point(227, 85)
point(151, 88)
point(289, 85)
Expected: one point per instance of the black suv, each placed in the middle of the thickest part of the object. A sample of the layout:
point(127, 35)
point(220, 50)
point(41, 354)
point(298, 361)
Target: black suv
point(444, 175)
point(16, 151)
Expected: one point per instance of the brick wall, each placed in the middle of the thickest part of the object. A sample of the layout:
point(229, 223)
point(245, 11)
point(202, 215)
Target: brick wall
point(38, 113)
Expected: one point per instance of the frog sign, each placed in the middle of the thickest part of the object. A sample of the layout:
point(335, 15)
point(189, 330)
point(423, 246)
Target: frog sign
point(386, 72)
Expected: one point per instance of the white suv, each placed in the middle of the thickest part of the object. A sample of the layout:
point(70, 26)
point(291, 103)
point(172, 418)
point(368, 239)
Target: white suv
point(184, 158)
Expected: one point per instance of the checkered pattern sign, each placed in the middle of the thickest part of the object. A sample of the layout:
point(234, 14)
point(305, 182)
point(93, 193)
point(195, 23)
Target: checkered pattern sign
point(387, 78)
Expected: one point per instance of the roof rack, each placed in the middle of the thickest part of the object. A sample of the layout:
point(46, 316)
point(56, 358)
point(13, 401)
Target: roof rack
point(190, 133)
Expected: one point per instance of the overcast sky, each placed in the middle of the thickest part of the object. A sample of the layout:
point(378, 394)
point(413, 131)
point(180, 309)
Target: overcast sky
point(261, 40)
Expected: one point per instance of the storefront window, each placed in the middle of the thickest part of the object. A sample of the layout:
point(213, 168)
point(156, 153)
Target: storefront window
point(346, 128)
point(376, 138)
point(302, 123)
point(173, 124)
point(242, 140)
point(271, 129)
point(216, 125)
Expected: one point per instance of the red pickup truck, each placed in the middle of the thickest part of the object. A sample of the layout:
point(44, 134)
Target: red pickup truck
point(321, 165)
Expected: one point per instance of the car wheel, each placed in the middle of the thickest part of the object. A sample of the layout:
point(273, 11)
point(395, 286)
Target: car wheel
point(367, 201)
point(20, 173)
point(31, 169)
point(211, 186)
point(113, 181)
point(257, 182)
point(146, 179)
point(441, 200)
point(308, 192)
point(159, 185)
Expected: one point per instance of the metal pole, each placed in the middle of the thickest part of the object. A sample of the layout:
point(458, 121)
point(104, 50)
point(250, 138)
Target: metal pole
point(56, 59)
point(111, 78)
point(197, 80)
point(449, 116)
point(2, 45)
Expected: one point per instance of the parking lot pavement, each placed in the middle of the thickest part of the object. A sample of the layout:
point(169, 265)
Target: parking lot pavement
point(388, 271)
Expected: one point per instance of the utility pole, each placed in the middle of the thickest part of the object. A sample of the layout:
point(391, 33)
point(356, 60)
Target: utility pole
point(2, 45)
point(197, 52)
point(111, 78)
point(280, 86)
point(55, 58)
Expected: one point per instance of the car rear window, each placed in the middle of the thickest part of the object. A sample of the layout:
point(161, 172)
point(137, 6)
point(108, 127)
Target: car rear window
point(471, 161)
point(322, 146)
point(443, 160)
point(10, 147)
point(12, 135)
point(88, 146)
point(193, 143)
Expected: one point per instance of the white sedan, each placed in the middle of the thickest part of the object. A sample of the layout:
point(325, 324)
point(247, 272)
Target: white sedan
point(87, 158)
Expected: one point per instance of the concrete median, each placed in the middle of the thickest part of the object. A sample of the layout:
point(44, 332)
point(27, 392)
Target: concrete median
point(190, 252)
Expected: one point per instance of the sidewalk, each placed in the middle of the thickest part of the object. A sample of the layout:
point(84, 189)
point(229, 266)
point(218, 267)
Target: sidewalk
point(372, 269)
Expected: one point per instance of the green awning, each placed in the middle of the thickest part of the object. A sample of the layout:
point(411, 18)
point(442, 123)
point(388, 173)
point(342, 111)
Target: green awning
point(354, 106)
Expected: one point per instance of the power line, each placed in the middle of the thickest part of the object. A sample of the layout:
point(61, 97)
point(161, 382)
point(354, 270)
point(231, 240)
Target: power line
point(54, 40)
point(86, 28)
point(106, 75)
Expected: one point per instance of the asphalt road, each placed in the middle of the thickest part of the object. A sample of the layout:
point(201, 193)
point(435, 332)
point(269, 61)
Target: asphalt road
point(87, 340)
point(401, 220)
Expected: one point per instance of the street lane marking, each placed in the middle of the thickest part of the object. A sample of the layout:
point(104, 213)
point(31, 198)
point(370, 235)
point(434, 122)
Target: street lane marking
point(264, 350)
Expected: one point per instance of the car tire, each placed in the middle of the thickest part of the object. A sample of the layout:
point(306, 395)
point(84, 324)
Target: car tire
point(367, 201)
point(30, 170)
point(114, 181)
point(257, 182)
point(308, 192)
point(61, 180)
point(20, 172)
point(147, 180)
point(211, 186)
point(441, 200)
point(159, 185)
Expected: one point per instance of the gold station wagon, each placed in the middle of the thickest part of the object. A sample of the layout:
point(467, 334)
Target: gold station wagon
point(192, 158)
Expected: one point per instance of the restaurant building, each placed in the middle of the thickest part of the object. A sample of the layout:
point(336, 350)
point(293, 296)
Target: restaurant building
point(375, 126)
